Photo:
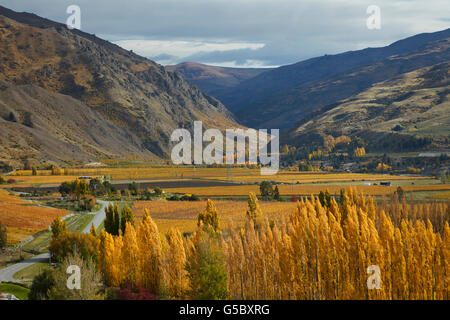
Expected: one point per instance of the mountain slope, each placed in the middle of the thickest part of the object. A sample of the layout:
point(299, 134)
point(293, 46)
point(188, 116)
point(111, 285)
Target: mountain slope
point(415, 104)
point(38, 124)
point(130, 91)
point(254, 91)
point(214, 80)
point(284, 109)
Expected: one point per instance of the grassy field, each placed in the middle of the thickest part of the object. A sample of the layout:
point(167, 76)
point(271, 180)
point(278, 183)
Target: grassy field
point(11, 256)
point(75, 223)
point(78, 222)
point(19, 291)
point(26, 275)
point(40, 242)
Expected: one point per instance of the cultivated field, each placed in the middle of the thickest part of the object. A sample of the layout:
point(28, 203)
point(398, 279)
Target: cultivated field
point(23, 219)
point(241, 175)
point(183, 214)
point(180, 180)
point(305, 189)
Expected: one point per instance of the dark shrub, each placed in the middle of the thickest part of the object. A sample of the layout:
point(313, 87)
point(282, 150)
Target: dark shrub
point(40, 286)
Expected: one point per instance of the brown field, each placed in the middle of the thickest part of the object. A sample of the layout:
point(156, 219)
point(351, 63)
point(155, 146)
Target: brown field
point(238, 175)
point(442, 195)
point(183, 214)
point(321, 177)
point(137, 173)
point(303, 189)
point(30, 181)
point(22, 219)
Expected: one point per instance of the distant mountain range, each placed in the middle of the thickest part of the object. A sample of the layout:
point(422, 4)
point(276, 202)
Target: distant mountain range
point(68, 96)
point(215, 80)
point(328, 94)
point(285, 108)
point(49, 72)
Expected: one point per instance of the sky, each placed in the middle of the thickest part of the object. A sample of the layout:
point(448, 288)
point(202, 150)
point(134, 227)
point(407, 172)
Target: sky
point(244, 33)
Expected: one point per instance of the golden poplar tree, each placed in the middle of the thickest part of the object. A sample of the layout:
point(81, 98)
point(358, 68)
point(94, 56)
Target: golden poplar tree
point(177, 280)
point(150, 254)
point(130, 256)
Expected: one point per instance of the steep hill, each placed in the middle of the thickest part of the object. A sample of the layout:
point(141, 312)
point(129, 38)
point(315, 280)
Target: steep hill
point(284, 109)
point(256, 90)
point(38, 124)
point(214, 80)
point(131, 92)
point(414, 104)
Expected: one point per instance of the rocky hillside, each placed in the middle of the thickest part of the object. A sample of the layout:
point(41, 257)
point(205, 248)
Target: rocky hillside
point(414, 104)
point(284, 109)
point(45, 126)
point(272, 84)
point(215, 80)
point(132, 93)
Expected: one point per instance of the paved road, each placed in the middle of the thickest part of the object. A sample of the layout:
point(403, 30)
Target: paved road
point(98, 218)
point(7, 274)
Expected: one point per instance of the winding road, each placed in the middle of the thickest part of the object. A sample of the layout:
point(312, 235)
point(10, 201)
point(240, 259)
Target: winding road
point(7, 274)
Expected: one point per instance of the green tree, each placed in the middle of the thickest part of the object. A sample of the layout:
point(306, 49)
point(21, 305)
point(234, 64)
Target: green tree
point(134, 188)
point(400, 194)
point(147, 195)
point(109, 188)
point(158, 191)
point(96, 187)
point(3, 236)
point(58, 227)
point(325, 198)
point(116, 220)
point(112, 220)
point(266, 189)
point(81, 188)
point(207, 268)
point(109, 219)
point(42, 283)
point(276, 194)
point(66, 188)
point(126, 216)
point(304, 167)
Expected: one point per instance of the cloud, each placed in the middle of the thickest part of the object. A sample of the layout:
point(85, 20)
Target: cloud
point(175, 51)
point(287, 30)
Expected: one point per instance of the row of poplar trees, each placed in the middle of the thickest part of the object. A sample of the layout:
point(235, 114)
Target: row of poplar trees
point(322, 250)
